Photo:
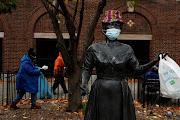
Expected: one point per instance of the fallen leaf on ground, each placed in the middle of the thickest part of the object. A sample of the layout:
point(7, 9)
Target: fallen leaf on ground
point(155, 117)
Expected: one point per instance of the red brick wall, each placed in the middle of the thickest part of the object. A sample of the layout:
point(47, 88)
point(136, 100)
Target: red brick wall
point(1, 26)
point(44, 25)
point(177, 42)
point(160, 19)
point(140, 24)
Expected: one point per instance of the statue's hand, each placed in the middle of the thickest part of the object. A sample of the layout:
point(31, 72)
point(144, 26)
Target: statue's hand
point(157, 58)
point(84, 89)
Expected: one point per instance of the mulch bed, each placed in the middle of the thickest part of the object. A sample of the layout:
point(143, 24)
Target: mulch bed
point(50, 110)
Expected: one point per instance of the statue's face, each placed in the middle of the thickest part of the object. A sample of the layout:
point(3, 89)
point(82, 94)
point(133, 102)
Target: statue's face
point(111, 30)
point(116, 25)
point(113, 25)
point(112, 33)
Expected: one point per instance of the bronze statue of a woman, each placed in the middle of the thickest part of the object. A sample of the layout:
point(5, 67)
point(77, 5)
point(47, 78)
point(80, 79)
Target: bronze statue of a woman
point(110, 97)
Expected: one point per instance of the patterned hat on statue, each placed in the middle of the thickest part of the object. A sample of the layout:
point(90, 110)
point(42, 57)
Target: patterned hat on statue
point(112, 16)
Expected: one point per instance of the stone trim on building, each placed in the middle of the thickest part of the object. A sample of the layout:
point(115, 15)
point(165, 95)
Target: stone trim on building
point(1, 34)
point(134, 37)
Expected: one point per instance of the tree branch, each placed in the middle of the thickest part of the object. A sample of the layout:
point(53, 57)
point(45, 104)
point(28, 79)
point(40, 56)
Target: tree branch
point(75, 11)
point(55, 7)
point(69, 22)
point(55, 12)
point(80, 22)
point(60, 40)
point(90, 35)
point(71, 30)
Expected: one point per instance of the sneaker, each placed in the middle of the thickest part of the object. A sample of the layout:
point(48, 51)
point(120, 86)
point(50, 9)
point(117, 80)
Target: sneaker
point(53, 91)
point(13, 105)
point(34, 106)
point(65, 91)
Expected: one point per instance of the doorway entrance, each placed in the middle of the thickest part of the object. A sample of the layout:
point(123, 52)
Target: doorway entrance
point(47, 52)
point(141, 49)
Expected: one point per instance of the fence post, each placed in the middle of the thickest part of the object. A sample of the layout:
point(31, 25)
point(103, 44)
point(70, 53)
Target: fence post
point(2, 87)
point(138, 88)
point(144, 94)
point(7, 96)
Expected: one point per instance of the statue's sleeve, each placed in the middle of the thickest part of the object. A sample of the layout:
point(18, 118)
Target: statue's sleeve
point(88, 65)
point(133, 64)
point(135, 67)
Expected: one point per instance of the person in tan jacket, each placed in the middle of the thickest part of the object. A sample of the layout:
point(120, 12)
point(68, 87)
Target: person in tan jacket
point(59, 72)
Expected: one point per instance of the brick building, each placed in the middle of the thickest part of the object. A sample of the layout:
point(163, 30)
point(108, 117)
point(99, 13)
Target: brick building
point(152, 27)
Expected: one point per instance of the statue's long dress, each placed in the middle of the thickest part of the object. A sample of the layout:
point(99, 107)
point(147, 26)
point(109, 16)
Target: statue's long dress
point(110, 97)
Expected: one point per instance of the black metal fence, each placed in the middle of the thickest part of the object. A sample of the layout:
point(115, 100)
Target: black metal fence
point(7, 87)
point(147, 91)
point(153, 97)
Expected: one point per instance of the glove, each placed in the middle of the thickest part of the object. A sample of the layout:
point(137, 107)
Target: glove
point(157, 58)
point(64, 68)
point(84, 89)
point(164, 55)
point(149, 65)
point(44, 67)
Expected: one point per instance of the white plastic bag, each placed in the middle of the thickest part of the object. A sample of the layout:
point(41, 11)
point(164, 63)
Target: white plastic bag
point(43, 67)
point(169, 76)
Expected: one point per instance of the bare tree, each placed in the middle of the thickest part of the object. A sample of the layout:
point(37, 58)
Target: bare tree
point(73, 64)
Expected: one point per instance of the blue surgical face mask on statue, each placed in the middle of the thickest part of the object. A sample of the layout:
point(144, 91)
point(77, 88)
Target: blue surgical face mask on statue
point(112, 33)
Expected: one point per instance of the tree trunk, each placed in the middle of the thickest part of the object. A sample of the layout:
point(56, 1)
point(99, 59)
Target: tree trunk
point(75, 99)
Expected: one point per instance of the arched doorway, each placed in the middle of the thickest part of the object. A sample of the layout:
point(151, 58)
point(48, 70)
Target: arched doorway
point(137, 33)
point(46, 41)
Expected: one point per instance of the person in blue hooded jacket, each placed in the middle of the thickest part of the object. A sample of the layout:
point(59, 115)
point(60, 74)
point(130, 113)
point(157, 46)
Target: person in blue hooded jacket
point(27, 79)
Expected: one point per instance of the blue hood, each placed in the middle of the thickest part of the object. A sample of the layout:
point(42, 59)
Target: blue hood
point(26, 58)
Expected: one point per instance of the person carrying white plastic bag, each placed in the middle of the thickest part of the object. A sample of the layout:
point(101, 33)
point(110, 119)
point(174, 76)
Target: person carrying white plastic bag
point(169, 76)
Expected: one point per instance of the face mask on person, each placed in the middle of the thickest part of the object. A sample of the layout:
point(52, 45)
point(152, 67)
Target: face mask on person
point(112, 33)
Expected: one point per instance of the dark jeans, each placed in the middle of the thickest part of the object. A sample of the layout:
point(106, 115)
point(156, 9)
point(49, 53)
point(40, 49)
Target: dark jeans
point(59, 80)
point(21, 94)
